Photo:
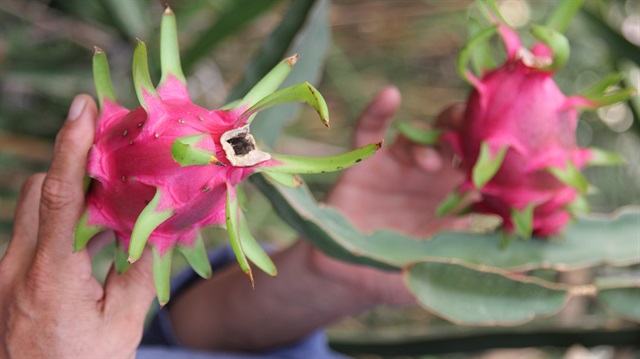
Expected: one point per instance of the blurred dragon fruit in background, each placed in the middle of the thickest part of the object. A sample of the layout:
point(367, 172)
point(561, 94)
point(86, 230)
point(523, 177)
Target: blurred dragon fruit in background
point(517, 145)
point(166, 169)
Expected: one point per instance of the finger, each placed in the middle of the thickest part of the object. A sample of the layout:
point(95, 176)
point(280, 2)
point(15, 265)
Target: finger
point(427, 158)
point(62, 190)
point(375, 119)
point(99, 241)
point(25, 225)
point(129, 295)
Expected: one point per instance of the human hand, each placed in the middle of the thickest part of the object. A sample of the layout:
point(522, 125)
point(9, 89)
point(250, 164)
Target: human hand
point(398, 189)
point(401, 186)
point(50, 303)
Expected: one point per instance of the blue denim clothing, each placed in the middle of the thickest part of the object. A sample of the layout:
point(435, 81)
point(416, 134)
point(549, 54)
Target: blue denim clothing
point(160, 342)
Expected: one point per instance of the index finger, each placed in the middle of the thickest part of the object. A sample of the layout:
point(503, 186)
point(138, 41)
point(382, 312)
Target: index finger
point(62, 191)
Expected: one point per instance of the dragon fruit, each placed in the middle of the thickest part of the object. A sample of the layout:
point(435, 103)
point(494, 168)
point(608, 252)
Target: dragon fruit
point(164, 170)
point(517, 145)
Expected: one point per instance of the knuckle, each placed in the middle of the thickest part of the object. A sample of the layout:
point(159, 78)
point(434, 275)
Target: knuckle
point(57, 193)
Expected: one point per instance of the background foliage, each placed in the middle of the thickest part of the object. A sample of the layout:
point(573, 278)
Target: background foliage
point(45, 56)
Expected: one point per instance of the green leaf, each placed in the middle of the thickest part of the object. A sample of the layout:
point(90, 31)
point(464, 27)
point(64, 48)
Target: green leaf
point(523, 220)
point(304, 30)
point(231, 20)
point(570, 176)
point(295, 164)
point(589, 241)
point(102, 78)
point(417, 135)
point(623, 301)
point(471, 295)
point(481, 58)
point(563, 14)
point(303, 92)
point(478, 41)
point(487, 165)
point(141, 78)
point(132, 17)
point(148, 220)
point(162, 275)
point(185, 152)
point(169, 48)
point(558, 44)
point(196, 255)
point(270, 82)
point(233, 228)
point(84, 232)
point(253, 251)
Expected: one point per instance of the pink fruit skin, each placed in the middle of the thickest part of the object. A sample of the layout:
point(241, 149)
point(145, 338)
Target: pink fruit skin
point(131, 157)
point(522, 108)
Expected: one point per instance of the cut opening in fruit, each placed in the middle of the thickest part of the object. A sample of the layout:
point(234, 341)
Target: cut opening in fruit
point(240, 148)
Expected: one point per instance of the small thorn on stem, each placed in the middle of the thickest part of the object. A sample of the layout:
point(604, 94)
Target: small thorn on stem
point(297, 181)
point(162, 304)
point(97, 50)
point(130, 260)
point(168, 10)
point(379, 145)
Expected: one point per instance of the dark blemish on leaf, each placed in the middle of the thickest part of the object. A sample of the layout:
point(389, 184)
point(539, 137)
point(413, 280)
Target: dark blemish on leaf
point(241, 145)
point(358, 160)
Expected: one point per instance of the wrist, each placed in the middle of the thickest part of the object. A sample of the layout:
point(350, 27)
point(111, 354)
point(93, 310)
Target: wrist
point(359, 283)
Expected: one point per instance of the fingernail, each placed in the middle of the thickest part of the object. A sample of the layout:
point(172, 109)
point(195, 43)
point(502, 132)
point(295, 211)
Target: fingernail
point(76, 108)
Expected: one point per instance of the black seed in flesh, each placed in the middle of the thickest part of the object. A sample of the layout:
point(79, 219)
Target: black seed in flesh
point(241, 145)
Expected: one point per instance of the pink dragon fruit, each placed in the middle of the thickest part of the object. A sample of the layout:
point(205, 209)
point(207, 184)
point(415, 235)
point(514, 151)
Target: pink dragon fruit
point(166, 169)
point(517, 144)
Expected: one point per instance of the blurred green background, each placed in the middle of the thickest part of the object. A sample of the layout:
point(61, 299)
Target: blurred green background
point(45, 59)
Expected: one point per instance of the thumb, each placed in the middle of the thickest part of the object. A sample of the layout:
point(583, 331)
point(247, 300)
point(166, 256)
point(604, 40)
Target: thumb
point(128, 296)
